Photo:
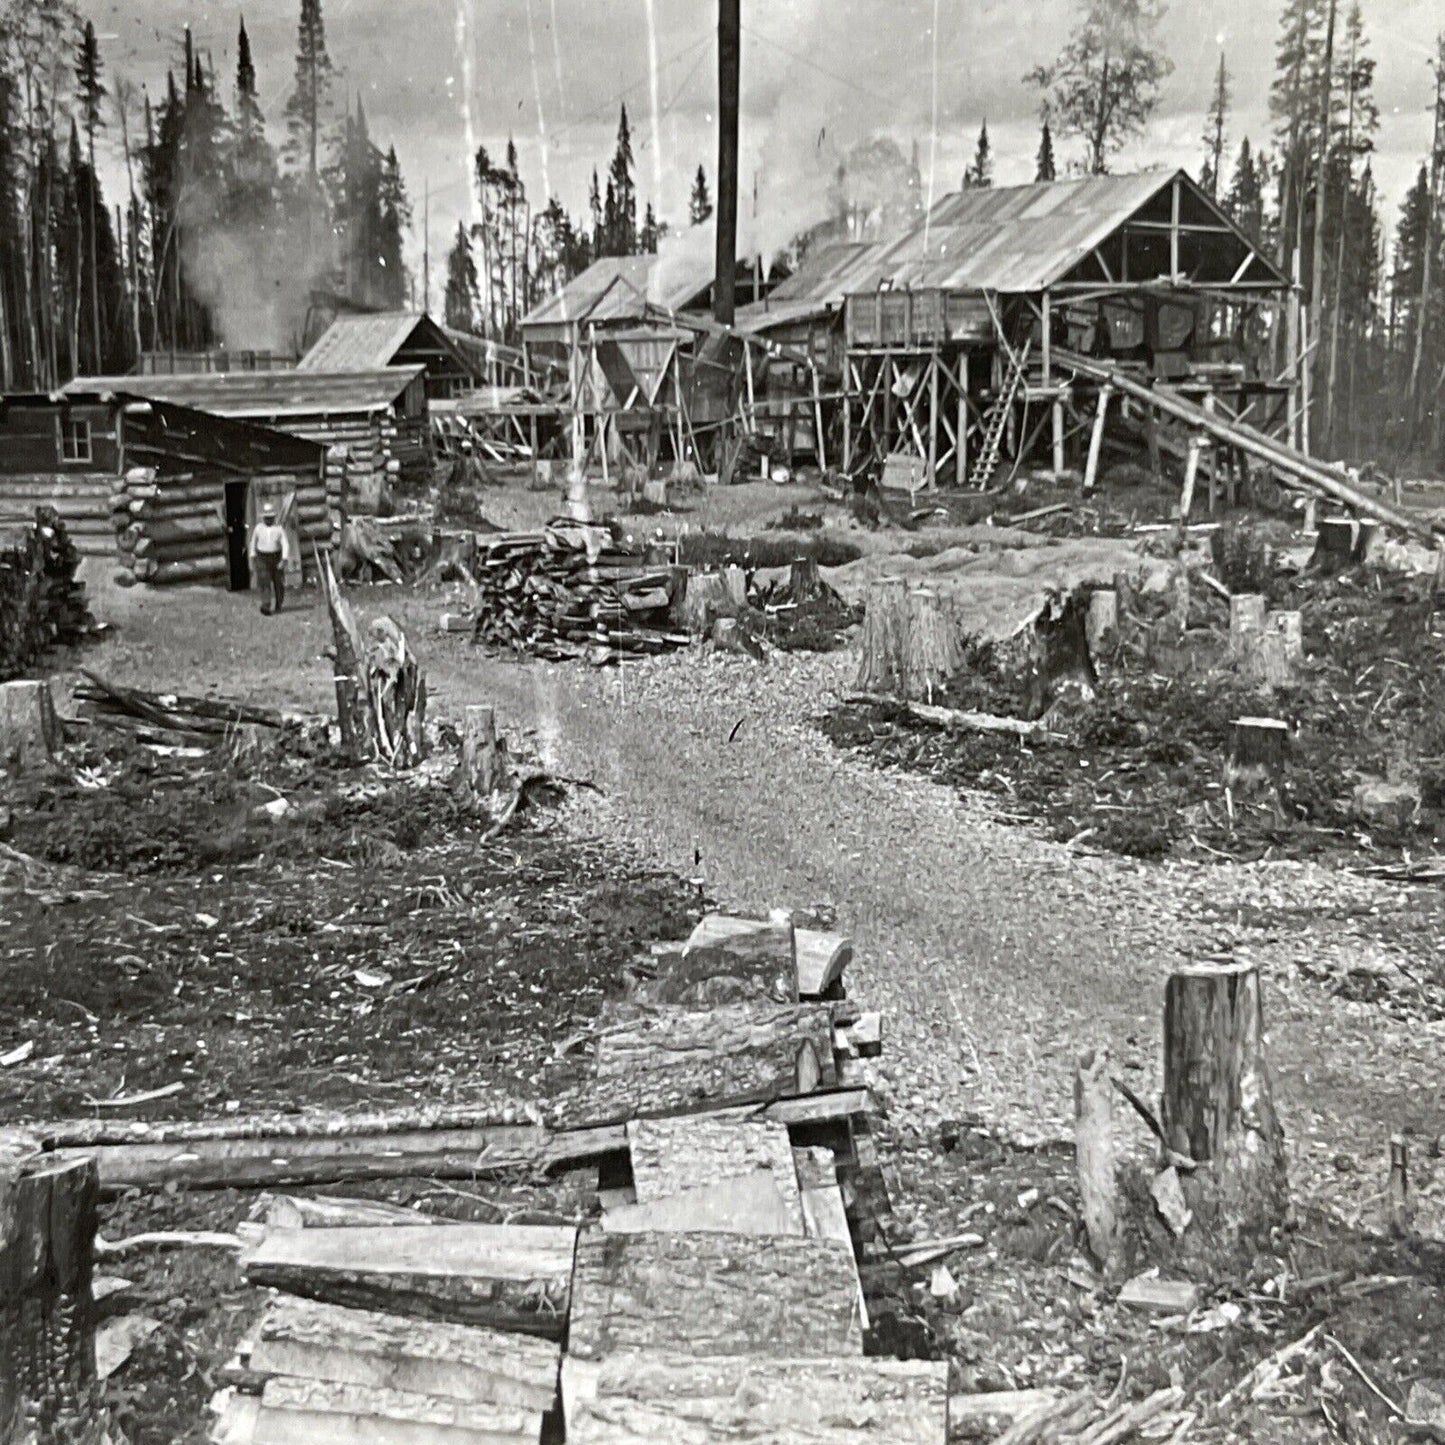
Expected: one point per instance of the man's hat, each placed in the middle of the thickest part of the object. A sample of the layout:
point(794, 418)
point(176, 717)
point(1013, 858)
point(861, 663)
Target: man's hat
point(268, 509)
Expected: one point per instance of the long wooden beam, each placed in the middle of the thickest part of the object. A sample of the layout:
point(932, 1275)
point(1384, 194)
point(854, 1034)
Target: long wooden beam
point(1293, 464)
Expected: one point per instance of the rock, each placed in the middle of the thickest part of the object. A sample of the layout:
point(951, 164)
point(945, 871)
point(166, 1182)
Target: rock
point(1425, 1408)
point(1160, 1296)
point(1382, 803)
point(1169, 1201)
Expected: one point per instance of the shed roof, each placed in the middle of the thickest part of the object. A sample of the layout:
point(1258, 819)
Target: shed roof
point(371, 342)
point(264, 393)
point(617, 288)
point(1022, 239)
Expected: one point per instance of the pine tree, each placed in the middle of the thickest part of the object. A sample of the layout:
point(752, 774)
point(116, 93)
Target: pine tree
point(1244, 200)
point(651, 232)
point(1105, 83)
point(90, 93)
point(1211, 175)
point(460, 303)
point(1044, 167)
point(355, 182)
point(1292, 101)
point(699, 206)
point(620, 213)
point(596, 215)
point(396, 216)
point(308, 106)
point(252, 190)
point(979, 175)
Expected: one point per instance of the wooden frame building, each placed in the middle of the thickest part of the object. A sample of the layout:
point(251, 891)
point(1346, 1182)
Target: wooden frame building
point(373, 342)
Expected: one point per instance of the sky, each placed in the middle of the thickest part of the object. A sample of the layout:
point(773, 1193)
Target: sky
point(439, 77)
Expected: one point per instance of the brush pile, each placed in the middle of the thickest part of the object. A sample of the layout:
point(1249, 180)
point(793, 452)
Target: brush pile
point(571, 591)
point(41, 603)
point(170, 718)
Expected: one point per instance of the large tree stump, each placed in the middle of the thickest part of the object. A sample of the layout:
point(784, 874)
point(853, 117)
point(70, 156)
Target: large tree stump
point(1217, 1108)
point(29, 728)
point(1246, 623)
point(483, 768)
point(885, 637)
point(804, 583)
point(47, 1313)
point(932, 654)
point(705, 599)
point(353, 708)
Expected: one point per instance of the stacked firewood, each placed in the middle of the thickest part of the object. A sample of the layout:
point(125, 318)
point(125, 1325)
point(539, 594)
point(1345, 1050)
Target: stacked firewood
point(41, 603)
point(571, 591)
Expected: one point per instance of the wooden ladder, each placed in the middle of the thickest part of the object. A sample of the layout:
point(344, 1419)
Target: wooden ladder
point(997, 419)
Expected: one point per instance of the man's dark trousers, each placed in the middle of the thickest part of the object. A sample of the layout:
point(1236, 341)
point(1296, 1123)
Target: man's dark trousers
point(273, 581)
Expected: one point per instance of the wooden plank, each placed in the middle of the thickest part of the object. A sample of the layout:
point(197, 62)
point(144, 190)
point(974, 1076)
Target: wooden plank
point(508, 1276)
point(638, 1399)
point(359, 1347)
point(308, 1412)
point(824, 1216)
point(749, 1204)
point(671, 1155)
point(713, 1294)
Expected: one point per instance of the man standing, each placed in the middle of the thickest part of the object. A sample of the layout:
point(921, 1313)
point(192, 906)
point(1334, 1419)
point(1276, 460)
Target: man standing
point(269, 554)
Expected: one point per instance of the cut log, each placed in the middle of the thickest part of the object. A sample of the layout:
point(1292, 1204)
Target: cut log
point(724, 963)
point(1217, 1107)
point(509, 1277)
point(714, 1294)
point(821, 957)
point(648, 1399)
point(359, 1347)
point(667, 1060)
point(1094, 1159)
point(304, 1412)
point(952, 717)
point(29, 727)
point(672, 1155)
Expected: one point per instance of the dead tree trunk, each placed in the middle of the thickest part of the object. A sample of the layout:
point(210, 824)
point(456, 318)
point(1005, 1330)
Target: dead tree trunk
point(1217, 1107)
point(353, 710)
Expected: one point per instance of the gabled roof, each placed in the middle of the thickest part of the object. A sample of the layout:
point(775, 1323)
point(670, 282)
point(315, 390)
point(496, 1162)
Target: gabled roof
point(822, 272)
point(264, 393)
point(617, 288)
point(369, 343)
point(1022, 239)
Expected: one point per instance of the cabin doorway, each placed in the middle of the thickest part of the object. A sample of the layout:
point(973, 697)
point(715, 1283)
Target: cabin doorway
point(237, 536)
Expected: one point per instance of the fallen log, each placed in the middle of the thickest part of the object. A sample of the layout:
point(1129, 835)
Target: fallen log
point(952, 717)
point(302, 1338)
point(509, 1277)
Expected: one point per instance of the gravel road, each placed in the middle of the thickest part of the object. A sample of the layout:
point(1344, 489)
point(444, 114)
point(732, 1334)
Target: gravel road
point(996, 955)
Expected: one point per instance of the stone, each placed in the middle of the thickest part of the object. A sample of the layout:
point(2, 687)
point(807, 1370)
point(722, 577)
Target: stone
point(1385, 804)
point(1160, 1296)
point(1425, 1407)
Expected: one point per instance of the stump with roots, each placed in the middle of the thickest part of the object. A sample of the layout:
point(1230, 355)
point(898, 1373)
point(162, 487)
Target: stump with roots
point(1217, 1108)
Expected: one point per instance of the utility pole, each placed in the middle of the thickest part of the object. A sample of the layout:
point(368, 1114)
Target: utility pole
point(426, 248)
point(729, 64)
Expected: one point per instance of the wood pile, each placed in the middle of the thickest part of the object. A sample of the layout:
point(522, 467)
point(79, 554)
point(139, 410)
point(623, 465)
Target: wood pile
point(169, 718)
point(82, 503)
point(717, 1296)
point(570, 591)
point(41, 603)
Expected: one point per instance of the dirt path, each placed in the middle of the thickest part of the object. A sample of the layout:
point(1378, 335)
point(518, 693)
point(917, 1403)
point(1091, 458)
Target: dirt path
point(995, 955)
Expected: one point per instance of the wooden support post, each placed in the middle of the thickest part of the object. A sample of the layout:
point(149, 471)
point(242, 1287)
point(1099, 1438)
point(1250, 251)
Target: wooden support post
point(933, 365)
point(818, 423)
point(1096, 438)
point(1397, 1187)
point(1094, 1159)
point(1058, 437)
point(1217, 1107)
point(1191, 473)
point(1213, 461)
point(960, 449)
point(1046, 342)
point(847, 405)
point(1292, 348)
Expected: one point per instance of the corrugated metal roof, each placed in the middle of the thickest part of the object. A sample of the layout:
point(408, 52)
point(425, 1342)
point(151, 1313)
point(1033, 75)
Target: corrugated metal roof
point(615, 288)
point(264, 393)
point(361, 343)
point(819, 276)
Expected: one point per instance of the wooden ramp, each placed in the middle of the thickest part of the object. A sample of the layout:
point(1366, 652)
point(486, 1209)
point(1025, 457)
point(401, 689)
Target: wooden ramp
point(716, 1296)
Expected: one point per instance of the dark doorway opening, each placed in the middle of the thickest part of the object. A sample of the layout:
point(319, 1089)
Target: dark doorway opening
point(236, 539)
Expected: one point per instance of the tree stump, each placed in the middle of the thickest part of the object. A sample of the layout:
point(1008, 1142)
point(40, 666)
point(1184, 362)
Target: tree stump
point(483, 767)
point(1094, 1159)
point(29, 728)
point(1246, 623)
point(1335, 544)
point(885, 635)
point(1289, 628)
point(1101, 625)
point(1217, 1108)
point(804, 583)
point(1397, 1187)
point(704, 600)
point(353, 708)
point(932, 654)
point(735, 581)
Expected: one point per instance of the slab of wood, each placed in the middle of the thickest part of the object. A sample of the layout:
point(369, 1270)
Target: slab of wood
point(749, 1204)
point(511, 1277)
point(307, 1340)
point(821, 957)
point(714, 1294)
point(725, 963)
point(630, 1399)
point(306, 1412)
point(824, 1216)
point(671, 1155)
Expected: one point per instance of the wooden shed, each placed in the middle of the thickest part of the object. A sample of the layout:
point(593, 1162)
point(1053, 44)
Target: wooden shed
point(395, 338)
point(168, 491)
point(378, 416)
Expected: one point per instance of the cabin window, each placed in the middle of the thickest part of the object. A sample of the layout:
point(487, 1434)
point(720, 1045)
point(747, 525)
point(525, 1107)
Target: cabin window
point(75, 443)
